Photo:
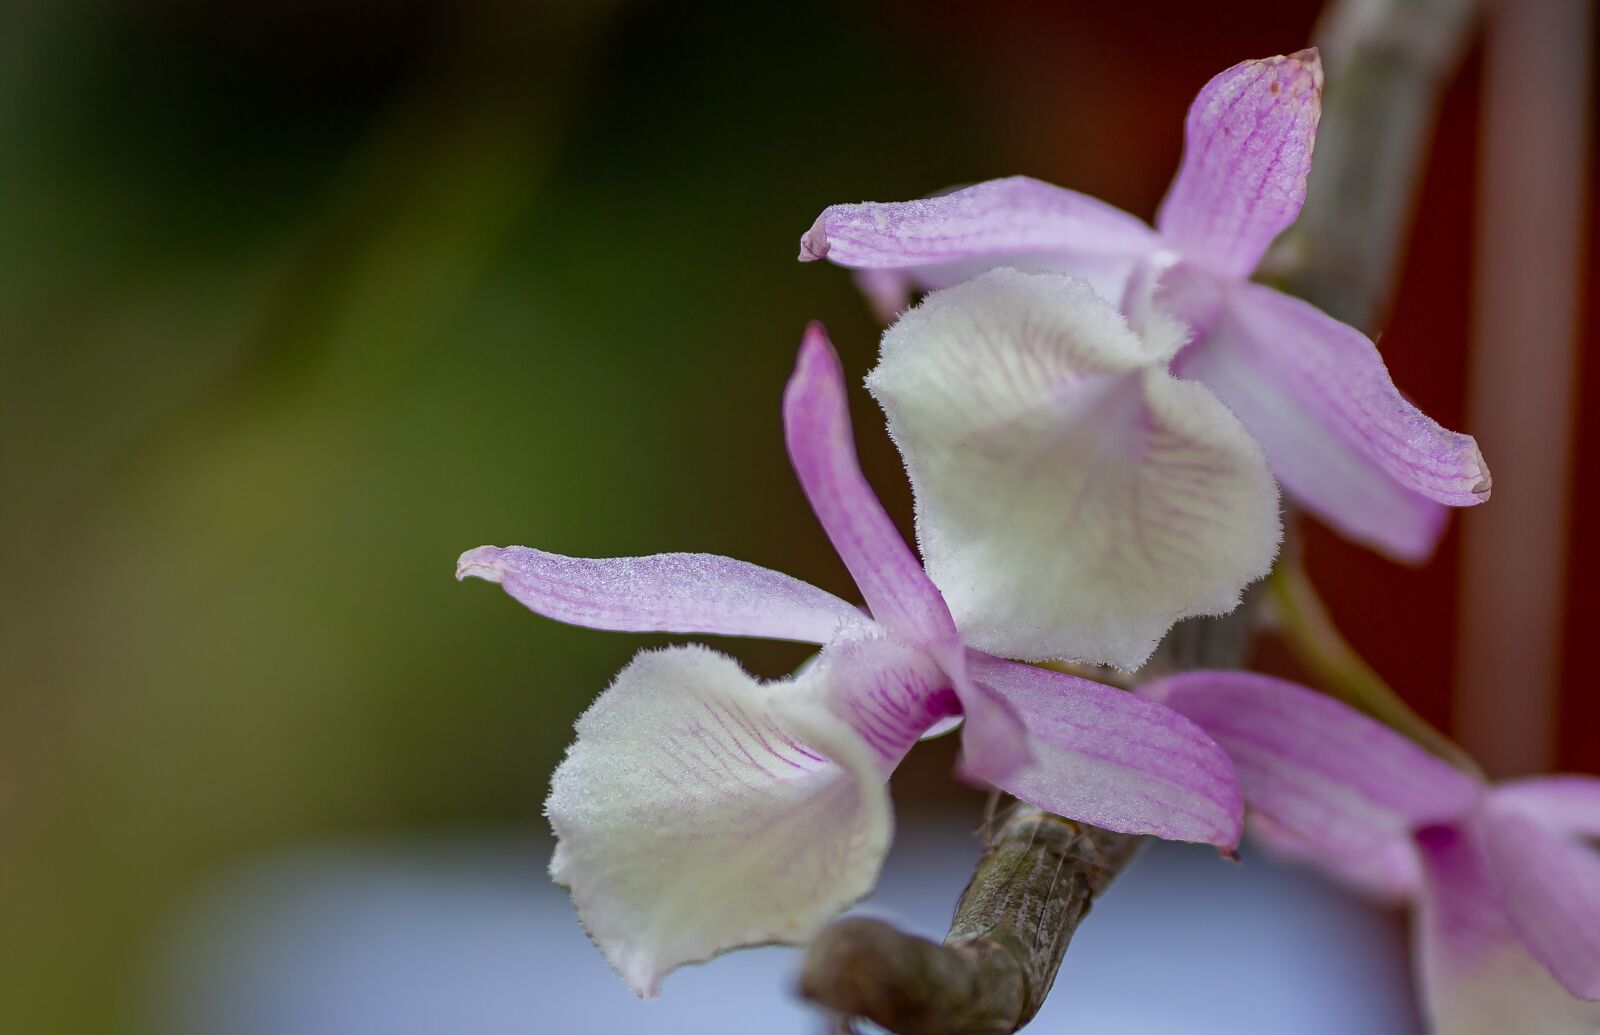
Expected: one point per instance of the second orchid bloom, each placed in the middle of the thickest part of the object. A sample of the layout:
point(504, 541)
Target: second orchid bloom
point(700, 809)
point(1505, 887)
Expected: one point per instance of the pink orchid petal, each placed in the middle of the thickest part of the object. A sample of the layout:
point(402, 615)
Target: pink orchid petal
point(665, 592)
point(1246, 155)
point(1476, 975)
point(1551, 887)
point(941, 241)
point(1331, 786)
point(1569, 804)
point(816, 420)
point(699, 811)
point(992, 222)
point(889, 692)
point(1341, 438)
point(1108, 757)
point(995, 743)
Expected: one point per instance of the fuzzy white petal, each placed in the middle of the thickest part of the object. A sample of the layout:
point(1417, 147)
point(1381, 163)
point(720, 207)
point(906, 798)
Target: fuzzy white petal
point(700, 810)
point(1074, 499)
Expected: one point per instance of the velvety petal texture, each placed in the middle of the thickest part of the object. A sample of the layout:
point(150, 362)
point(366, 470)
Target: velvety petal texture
point(1108, 757)
point(1476, 975)
point(1342, 439)
point(699, 810)
point(1551, 887)
point(949, 238)
point(1246, 155)
point(1324, 783)
point(816, 419)
point(666, 592)
point(1073, 498)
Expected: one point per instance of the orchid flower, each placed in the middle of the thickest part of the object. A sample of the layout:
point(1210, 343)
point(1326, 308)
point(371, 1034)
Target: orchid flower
point(700, 810)
point(1341, 438)
point(1507, 892)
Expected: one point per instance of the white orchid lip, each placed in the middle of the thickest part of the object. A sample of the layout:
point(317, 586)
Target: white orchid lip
point(1074, 499)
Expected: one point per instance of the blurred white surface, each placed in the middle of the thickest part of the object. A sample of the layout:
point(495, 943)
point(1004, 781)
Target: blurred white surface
point(472, 939)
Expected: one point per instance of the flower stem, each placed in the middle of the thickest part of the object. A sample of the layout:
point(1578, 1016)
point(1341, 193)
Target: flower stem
point(1339, 669)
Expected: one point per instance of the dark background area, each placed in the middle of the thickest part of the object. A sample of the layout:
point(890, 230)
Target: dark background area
point(298, 301)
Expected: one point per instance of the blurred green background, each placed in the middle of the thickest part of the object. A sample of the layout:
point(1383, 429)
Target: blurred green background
point(299, 300)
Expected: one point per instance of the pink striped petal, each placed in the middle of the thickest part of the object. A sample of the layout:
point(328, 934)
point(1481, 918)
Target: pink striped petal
point(816, 419)
point(995, 744)
point(1476, 975)
point(1568, 804)
point(889, 692)
point(995, 222)
point(1325, 784)
point(1246, 156)
point(665, 592)
point(1108, 757)
point(699, 811)
point(1551, 887)
point(1341, 438)
point(937, 242)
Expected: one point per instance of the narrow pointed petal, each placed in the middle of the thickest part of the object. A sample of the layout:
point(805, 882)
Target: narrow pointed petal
point(816, 419)
point(1476, 976)
point(665, 592)
point(999, 222)
point(1325, 784)
point(699, 811)
point(1568, 804)
point(1342, 439)
point(1551, 886)
point(1108, 757)
point(1073, 499)
point(1246, 155)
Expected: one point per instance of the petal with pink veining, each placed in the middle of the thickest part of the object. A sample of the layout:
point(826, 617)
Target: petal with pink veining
point(664, 592)
point(1108, 757)
point(937, 242)
point(994, 223)
point(889, 692)
point(1332, 786)
point(816, 420)
point(1341, 438)
point(1246, 155)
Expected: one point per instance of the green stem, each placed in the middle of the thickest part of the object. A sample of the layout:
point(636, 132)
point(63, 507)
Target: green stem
point(1339, 669)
